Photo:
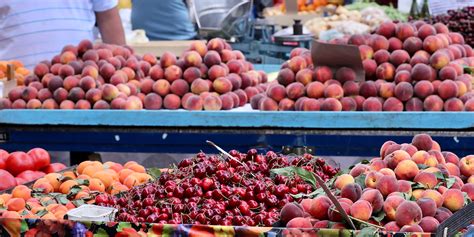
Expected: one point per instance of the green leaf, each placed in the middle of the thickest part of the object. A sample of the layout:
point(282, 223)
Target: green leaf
point(379, 216)
point(46, 203)
point(74, 190)
point(450, 182)
point(24, 226)
point(467, 200)
point(367, 232)
point(154, 172)
point(83, 182)
point(286, 171)
point(417, 186)
point(360, 180)
point(24, 212)
point(313, 194)
point(78, 202)
point(61, 199)
point(439, 175)
point(290, 171)
point(101, 232)
point(422, 166)
point(42, 213)
point(122, 225)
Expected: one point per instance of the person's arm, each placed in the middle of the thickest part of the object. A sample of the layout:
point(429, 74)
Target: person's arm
point(110, 26)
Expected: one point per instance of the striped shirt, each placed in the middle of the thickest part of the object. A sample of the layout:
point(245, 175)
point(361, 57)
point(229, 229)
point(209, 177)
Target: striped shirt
point(32, 30)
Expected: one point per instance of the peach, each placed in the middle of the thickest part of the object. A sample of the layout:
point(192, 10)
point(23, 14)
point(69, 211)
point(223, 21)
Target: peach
point(434, 195)
point(374, 197)
point(387, 184)
point(384, 147)
point(331, 104)
point(179, 87)
point(450, 157)
point(441, 28)
point(212, 58)
point(387, 171)
point(173, 73)
point(447, 89)
point(304, 76)
point(295, 90)
point(403, 91)
point(171, 101)
point(462, 88)
point(350, 88)
point(381, 56)
point(438, 60)
point(378, 42)
point(334, 215)
point(432, 43)
point(402, 76)
point(192, 59)
point(398, 57)
point(47, 104)
point(343, 180)
point(152, 101)
point(392, 104)
point(67, 104)
point(117, 103)
point(286, 76)
point(318, 207)
point(297, 63)
point(404, 186)
point(433, 103)
point(392, 227)
point(243, 98)
point(423, 89)
point(412, 44)
point(390, 206)
point(358, 170)
point(348, 104)
point(366, 52)
point(356, 39)
point(408, 213)
point(212, 102)
point(372, 178)
point(76, 94)
point(82, 104)
point(199, 47)
point(466, 165)
point(333, 91)
point(322, 73)
point(235, 66)
point(315, 89)
point(100, 104)
point(453, 104)
point(193, 102)
point(292, 210)
point(351, 191)
point(429, 224)
point(468, 188)
point(421, 72)
point(222, 85)
point(227, 101)
point(386, 29)
point(370, 67)
point(344, 74)
point(406, 169)
point(162, 87)
point(427, 205)
point(287, 105)
point(442, 214)
point(107, 70)
point(469, 106)
point(167, 59)
point(409, 148)
point(299, 222)
point(404, 31)
point(276, 92)
point(60, 94)
point(456, 38)
point(155, 72)
point(109, 92)
point(447, 72)
point(453, 199)
point(428, 180)
point(425, 31)
point(368, 89)
point(392, 148)
point(394, 44)
point(361, 210)
point(372, 104)
point(415, 228)
point(198, 86)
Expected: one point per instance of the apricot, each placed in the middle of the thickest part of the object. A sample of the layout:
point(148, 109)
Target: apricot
point(21, 191)
point(15, 204)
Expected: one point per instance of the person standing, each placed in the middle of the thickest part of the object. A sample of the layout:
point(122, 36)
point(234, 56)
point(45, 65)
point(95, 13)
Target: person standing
point(163, 20)
point(32, 31)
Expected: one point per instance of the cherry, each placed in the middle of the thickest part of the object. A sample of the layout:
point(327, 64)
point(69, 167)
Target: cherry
point(215, 220)
point(261, 197)
point(237, 220)
point(201, 218)
point(244, 208)
point(252, 204)
point(207, 184)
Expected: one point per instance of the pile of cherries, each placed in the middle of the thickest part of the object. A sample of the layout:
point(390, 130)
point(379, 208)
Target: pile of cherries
point(216, 190)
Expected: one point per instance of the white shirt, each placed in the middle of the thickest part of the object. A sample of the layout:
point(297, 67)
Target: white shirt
point(32, 30)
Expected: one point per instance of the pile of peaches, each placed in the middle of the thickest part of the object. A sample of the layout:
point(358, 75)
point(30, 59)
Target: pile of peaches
point(411, 187)
point(408, 67)
point(52, 195)
point(209, 76)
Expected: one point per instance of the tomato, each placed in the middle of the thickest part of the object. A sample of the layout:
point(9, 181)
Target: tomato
point(8, 181)
point(29, 175)
point(3, 157)
point(40, 157)
point(54, 167)
point(18, 162)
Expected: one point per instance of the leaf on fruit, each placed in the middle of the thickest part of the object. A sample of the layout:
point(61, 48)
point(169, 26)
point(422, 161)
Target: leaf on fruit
point(61, 199)
point(290, 171)
point(379, 216)
point(367, 232)
point(417, 185)
point(24, 226)
point(450, 182)
point(122, 225)
point(74, 190)
point(407, 196)
point(422, 166)
point(83, 182)
point(287, 171)
point(78, 202)
point(154, 172)
point(467, 200)
point(439, 175)
point(313, 194)
point(360, 180)
point(42, 212)
point(47, 202)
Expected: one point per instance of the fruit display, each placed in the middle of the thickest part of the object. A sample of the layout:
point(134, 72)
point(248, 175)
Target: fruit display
point(408, 67)
point(459, 21)
point(215, 190)
point(20, 71)
point(393, 13)
point(53, 194)
point(411, 187)
point(21, 167)
point(303, 8)
point(208, 76)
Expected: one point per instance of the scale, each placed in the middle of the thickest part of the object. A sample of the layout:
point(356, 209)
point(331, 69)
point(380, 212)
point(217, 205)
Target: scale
point(232, 20)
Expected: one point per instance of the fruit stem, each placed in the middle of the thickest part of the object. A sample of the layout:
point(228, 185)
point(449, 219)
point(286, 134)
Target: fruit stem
point(228, 155)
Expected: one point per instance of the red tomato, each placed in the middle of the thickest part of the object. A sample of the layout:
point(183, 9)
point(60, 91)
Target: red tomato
point(54, 167)
point(3, 157)
point(18, 162)
point(40, 157)
point(29, 175)
point(8, 181)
